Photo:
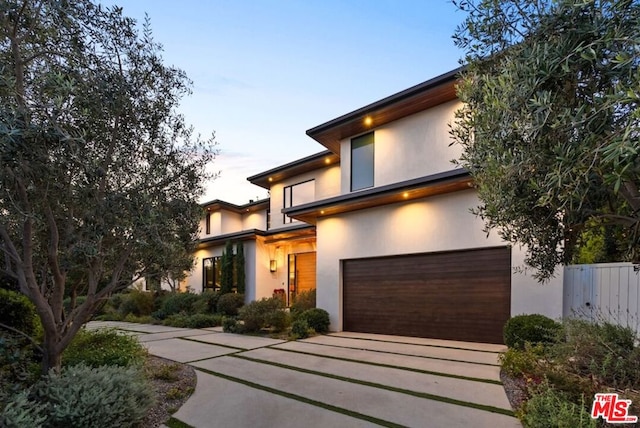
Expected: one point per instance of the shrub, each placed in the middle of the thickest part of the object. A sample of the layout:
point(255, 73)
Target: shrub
point(19, 365)
point(9, 283)
point(603, 352)
point(518, 362)
point(300, 329)
point(175, 303)
point(303, 301)
point(229, 325)
point(193, 321)
point(21, 412)
point(317, 319)
point(138, 303)
point(260, 313)
point(207, 302)
point(228, 304)
point(550, 408)
point(82, 396)
point(18, 312)
point(279, 320)
point(534, 328)
point(104, 347)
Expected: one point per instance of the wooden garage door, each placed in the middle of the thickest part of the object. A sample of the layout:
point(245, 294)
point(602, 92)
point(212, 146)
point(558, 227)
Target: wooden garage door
point(458, 295)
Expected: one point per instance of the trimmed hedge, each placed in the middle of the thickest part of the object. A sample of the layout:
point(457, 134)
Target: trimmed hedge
point(317, 319)
point(228, 304)
point(533, 328)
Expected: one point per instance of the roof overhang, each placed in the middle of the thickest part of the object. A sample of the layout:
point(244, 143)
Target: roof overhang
point(297, 167)
point(218, 204)
point(430, 185)
point(428, 94)
point(295, 232)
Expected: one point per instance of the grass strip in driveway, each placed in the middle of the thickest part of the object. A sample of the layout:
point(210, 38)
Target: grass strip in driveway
point(190, 338)
point(302, 399)
point(402, 353)
point(424, 395)
point(412, 343)
point(390, 366)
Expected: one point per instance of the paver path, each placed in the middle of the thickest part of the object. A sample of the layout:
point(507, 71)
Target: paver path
point(335, 380)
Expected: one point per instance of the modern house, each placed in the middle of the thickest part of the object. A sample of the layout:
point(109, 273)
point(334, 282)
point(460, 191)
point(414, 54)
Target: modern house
point(380, 224)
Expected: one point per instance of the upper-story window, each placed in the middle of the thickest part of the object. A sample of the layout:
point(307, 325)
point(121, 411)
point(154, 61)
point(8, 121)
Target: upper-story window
point(207, 223)
point(362, 150)
point(298, 194)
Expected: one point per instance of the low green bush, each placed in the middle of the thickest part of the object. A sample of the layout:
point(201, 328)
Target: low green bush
point(300, 329)
point(533, 328)
point(138, 303)
point(193, 321)
point(207, 302)
point(18, 312)
point(602, 352)
point(262, 313)
point(317, 319)
point(523, 362)
point(104, 347)
point(303, 301)
point(19, 364)
point(106, 397)
point(550, 408)
point(20, 412)
point(145, 319)
point(175, 303)
point(228, 304)
point(231, 325)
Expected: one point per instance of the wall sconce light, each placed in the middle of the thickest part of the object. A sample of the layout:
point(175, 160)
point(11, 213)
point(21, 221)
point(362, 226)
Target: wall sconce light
point(273, 265)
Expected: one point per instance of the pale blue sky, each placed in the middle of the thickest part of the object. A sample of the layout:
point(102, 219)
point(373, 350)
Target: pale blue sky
point(266, 71)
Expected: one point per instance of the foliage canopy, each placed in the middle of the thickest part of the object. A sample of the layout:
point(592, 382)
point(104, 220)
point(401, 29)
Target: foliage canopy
point(99, 175)
point(549, 127)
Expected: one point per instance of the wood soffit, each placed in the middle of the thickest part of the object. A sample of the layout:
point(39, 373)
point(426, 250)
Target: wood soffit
point(413, 100)
point(437, 184)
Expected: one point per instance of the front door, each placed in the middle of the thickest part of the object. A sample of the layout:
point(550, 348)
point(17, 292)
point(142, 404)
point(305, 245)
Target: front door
point(302, 274)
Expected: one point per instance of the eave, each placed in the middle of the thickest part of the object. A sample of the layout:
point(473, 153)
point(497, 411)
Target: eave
point(295, 232)
point(436, 184)
point(218, 204)
point(310, 163)
point(426, 95)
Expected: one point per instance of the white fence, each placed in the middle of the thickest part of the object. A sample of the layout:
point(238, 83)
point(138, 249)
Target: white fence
point(603, 292)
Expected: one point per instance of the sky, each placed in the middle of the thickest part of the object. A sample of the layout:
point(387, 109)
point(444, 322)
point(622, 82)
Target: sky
point(265, 71)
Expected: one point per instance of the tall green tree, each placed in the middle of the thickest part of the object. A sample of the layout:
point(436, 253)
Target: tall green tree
point(226, 275)
point(239, 268)
point(549, 128)
point(99, 175)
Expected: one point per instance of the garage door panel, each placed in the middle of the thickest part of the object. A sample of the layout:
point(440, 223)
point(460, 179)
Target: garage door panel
point(462, 295)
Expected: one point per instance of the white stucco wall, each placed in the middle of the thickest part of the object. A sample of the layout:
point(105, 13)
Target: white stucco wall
point(231, 222)
point(408, 148)
point(327, 184)
point(439, 223)
point(255, 220)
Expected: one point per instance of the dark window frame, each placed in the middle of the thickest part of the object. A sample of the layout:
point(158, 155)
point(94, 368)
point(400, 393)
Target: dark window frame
point(207, 223)
point(215, 260)
point(373, 159)
point(286, 219)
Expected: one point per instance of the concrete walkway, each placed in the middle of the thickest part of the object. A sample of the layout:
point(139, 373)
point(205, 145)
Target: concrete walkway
point(340, 379)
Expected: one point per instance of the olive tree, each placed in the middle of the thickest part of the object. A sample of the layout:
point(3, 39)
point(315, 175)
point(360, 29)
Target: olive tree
point(99, 175)
point(549, 127)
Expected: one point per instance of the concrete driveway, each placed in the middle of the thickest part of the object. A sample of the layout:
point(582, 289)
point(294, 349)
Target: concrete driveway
point(335, 380)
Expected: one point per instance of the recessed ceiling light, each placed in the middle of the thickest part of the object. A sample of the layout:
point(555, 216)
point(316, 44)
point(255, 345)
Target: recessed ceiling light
point(405, 194)
point(368, 121)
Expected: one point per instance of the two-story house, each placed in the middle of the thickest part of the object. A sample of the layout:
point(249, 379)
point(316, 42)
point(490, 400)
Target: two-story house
point(380, 225)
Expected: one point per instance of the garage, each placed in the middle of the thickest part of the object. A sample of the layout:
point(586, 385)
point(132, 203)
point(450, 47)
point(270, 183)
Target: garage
point(455, 295)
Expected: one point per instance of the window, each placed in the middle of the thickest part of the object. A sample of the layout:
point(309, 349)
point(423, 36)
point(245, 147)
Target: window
point(212, 270)
point(268, 219)
point(207, 224)
point(298, 194)
point(362, 162)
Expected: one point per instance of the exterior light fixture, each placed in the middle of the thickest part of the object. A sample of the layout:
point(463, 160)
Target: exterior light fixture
point(368, 121)
point(273, 265)
point(405, 194)
point(270, 179)
point(327, 161)
point(322, 212)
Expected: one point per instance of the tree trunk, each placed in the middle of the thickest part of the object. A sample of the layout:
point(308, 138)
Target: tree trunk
point(52, 357)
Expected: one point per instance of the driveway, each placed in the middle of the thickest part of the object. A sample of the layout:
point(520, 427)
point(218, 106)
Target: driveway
point(339, 379)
